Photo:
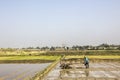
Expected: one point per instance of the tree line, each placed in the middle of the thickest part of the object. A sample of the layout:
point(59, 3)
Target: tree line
point(77, 47)
point(65, 48)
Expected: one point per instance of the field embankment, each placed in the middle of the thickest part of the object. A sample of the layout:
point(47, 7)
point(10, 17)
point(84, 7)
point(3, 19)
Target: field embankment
point(83, 52)
point(95, 57)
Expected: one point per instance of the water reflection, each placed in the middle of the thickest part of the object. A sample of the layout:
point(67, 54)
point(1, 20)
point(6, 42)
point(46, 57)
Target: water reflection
point(12, 71)
point(86, 72)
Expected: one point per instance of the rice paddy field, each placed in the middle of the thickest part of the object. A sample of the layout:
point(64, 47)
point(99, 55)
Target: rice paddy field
point(96, 71)
point(20, 71)
point(25, 66)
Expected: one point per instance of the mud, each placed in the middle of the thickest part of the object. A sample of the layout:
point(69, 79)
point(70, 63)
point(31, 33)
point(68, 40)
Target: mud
point(96, 71)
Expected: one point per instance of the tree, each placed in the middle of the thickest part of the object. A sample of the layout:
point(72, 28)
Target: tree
point(52, 48)
point(104, 45)
point(37, 47)
point(44, 48)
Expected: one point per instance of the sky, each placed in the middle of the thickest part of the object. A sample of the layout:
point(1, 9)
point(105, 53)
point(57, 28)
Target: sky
point(25, 23)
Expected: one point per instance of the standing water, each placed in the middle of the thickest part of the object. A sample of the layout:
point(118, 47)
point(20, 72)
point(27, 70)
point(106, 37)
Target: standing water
point(20, 71)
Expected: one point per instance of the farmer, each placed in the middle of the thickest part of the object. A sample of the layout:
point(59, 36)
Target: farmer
point(86, 62)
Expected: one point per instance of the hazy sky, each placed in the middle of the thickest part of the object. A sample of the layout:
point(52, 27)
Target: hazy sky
point(26, 23)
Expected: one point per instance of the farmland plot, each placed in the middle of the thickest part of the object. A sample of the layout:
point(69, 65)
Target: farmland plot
point(20, 71)
point(97, 71)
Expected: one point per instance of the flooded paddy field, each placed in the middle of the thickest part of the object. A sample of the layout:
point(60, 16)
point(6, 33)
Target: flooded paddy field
point(97, 71)
point(20, 71)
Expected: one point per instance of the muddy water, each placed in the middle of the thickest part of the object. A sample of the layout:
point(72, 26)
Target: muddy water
point(20, 71)
point(97, 71)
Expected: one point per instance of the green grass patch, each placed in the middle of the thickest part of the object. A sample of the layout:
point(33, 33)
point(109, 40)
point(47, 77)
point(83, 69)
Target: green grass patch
point(29, 57)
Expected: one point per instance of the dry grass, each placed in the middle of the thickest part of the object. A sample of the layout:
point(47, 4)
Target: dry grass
point(96, 57)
